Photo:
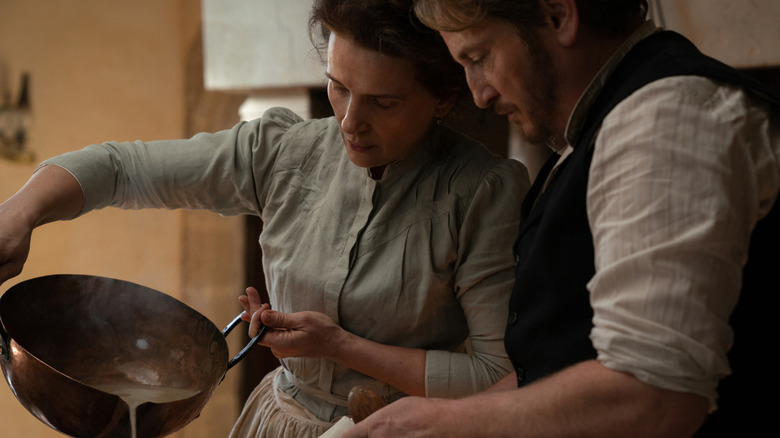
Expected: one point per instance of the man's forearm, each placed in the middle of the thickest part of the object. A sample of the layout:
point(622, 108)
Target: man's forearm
point(585, 400)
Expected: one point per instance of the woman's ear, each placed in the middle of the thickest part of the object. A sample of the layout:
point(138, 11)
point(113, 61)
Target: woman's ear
point(564, 20)
point(444, 106)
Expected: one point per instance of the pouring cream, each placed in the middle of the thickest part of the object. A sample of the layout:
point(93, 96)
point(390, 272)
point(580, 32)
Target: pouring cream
point(135, 394)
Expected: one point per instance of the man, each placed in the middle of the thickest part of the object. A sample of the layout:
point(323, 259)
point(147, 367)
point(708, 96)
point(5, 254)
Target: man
point(632, 254)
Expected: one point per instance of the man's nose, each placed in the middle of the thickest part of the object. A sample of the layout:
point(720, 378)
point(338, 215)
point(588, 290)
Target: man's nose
point(483, 93)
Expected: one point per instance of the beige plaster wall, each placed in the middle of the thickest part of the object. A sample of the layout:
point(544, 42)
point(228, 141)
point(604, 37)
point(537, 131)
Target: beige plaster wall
point(115, 70)
point(743, 34)
point(242, 36)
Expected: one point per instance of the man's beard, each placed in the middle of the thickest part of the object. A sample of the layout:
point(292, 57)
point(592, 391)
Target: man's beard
point(543, 91)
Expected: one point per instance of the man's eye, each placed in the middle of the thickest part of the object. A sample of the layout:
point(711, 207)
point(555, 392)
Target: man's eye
point(383, 103)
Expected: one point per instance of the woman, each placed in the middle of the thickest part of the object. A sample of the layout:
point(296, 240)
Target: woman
point(386, 236)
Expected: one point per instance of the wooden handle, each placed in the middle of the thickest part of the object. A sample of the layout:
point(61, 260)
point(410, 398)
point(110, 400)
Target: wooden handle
point(363, 402)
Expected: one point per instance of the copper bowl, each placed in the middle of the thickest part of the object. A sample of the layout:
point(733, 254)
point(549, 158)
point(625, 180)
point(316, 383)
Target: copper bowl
point(58, 333)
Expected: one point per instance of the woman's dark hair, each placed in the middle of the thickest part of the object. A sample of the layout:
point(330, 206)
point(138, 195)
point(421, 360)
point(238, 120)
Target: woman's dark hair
point(389, 27)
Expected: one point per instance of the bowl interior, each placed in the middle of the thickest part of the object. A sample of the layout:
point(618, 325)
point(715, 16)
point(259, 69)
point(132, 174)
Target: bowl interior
point(100, 331)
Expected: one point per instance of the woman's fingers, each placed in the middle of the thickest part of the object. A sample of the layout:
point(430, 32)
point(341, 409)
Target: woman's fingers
point(255, 323)
point(250, 302)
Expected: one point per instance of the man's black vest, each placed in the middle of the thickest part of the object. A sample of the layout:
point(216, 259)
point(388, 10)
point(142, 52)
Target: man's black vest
point(550, 316)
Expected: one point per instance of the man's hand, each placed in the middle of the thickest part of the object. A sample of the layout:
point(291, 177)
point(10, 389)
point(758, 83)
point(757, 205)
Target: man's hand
point(409, 417)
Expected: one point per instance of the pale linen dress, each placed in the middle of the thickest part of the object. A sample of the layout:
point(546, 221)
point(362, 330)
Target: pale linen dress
point(421, 258)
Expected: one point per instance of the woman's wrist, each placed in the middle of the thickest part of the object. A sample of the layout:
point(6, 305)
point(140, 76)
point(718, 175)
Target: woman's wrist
point(341, 346)
point(51, 194)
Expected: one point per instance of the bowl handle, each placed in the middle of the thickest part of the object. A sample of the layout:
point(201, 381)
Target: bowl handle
point(5, 343)
point(241, 354)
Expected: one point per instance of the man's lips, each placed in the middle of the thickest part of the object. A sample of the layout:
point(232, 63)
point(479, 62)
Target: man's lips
point(503, 110)
point(511, 113)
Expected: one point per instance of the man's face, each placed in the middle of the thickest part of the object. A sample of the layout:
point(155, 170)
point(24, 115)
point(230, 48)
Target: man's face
point(505, 72)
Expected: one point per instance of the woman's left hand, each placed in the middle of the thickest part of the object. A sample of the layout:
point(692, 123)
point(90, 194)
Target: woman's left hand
point(301, 334)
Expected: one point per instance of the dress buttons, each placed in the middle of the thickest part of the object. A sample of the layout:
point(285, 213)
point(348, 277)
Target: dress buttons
point(520, 371)
point(512, 318)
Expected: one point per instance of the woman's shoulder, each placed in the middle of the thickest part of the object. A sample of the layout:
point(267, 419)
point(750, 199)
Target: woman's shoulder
point(472, 162)
point(296, 138)
point(477, 179)
point(289, 123)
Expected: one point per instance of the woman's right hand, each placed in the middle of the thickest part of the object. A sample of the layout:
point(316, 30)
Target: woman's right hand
point(51, 194)
point(15, 236)
point(315, 334)
point(253, 308)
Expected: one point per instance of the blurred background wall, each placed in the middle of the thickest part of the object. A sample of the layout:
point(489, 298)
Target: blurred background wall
point(134, 70)
point(121, 70)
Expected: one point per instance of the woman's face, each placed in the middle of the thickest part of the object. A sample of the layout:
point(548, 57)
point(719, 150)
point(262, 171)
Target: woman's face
point(382, 109)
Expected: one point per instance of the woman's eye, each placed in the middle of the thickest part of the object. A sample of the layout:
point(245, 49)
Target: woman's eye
point(338, 88)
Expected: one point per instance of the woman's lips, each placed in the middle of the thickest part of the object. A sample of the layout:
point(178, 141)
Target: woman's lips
point(358, 147)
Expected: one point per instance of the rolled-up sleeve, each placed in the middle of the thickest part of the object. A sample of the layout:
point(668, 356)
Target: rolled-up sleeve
point(677, 182)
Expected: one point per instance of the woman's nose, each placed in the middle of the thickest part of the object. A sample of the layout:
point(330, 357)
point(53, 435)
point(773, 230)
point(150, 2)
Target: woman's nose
point(354, 120)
